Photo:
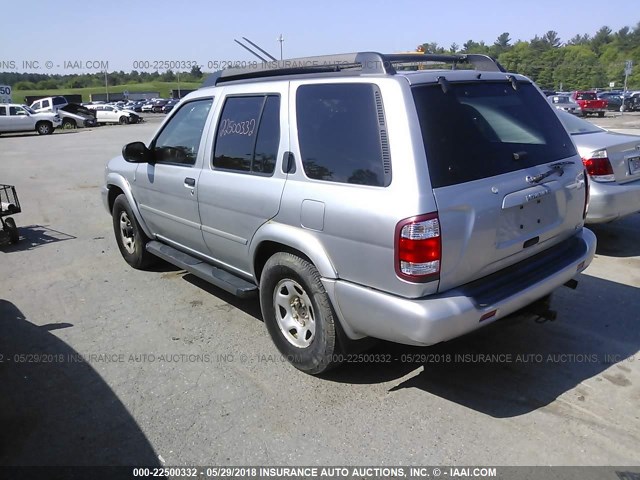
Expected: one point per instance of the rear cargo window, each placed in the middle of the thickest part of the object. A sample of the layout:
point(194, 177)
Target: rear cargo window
point(486, 129)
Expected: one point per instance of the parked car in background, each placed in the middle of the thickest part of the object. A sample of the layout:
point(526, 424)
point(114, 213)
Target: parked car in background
point(632, 103)
point(72, 115)
point(170, 104)
point(158, 105)
point(112, 114)
point(564, 102)
point(147, 107)
point(612, 161)
point(614, 100)
point(20, 118)
point(289, 186)
point(589, 103)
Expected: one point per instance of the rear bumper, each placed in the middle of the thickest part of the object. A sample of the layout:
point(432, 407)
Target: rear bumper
point(594, 109)
point(610, 201)
point(433, 319)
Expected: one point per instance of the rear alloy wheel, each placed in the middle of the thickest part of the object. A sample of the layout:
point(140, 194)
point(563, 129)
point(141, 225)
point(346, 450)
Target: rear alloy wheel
point(69, 123)
point(601, 114)
point(298, 314)
point(130, 237)
point(44, 128)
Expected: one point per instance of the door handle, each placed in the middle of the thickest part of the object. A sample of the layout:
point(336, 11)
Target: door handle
point(190, 182)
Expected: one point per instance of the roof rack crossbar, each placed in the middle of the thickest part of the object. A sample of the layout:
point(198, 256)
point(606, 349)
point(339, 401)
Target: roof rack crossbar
point(360, 62)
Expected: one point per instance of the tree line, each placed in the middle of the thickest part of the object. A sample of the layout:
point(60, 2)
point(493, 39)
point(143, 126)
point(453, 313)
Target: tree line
point(39, 81)
point(582, 62)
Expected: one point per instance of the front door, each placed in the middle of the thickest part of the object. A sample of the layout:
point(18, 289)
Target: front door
point(166, 190)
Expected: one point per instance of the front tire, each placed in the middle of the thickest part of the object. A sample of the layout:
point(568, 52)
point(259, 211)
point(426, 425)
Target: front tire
point(44, 128)
point(130, 237)
point(123, 120)
point(298, 314)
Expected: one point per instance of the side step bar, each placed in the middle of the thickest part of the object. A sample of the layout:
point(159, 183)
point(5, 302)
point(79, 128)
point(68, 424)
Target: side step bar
point(214, 275)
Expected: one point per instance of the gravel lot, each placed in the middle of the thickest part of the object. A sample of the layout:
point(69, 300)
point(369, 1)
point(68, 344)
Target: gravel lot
point(102, 364)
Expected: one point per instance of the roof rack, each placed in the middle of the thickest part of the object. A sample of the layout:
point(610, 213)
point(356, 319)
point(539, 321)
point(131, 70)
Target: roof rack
point(360, 62)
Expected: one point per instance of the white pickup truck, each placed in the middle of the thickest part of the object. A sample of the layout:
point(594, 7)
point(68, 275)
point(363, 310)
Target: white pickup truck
point(20, 118)
point(72, 115)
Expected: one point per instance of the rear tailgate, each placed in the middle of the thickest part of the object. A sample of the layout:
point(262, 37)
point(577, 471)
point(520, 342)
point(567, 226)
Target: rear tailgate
point(490, 149)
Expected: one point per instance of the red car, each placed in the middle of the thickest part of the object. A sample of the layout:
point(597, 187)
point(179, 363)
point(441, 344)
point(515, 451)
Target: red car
point(589, 103)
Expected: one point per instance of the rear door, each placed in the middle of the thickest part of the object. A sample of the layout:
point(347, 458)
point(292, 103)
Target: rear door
point(240, 187)
point(490, 148)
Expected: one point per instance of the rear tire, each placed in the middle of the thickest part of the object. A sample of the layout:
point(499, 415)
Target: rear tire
point(130, 237)
point(600, 114)
point(44, 128)
point(69, 123)
point(298, 314)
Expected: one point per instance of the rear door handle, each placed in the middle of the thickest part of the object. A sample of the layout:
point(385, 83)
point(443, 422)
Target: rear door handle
point(190, 182)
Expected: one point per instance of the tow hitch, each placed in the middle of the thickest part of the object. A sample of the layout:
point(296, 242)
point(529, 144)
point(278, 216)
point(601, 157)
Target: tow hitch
point(541, 310)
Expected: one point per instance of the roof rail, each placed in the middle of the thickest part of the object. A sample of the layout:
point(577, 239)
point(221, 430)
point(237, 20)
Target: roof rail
point(360, 62)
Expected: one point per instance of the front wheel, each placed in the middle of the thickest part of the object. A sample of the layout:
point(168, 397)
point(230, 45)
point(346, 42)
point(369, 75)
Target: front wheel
point(123, 120)
point(298, 314)
point(130, 237)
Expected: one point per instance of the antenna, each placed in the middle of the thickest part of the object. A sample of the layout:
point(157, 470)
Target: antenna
point(250, 51)
point(263, 51)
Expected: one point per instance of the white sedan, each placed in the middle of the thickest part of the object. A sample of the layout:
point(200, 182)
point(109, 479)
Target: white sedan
point(111, 114)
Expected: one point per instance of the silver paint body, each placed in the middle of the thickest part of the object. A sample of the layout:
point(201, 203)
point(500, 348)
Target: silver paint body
point(347, 230)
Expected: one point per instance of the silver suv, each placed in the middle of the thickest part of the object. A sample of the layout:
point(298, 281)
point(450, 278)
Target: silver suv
point(359, 199)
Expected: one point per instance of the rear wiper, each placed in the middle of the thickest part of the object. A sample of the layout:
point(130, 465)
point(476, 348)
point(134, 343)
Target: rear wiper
point(557, 167)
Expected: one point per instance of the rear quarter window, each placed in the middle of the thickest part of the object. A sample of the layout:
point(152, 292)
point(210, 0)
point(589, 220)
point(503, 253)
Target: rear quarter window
point(480, 130)
point(342, 135)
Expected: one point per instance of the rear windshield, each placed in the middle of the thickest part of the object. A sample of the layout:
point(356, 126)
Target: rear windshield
point(480, 130)
point(586, 96)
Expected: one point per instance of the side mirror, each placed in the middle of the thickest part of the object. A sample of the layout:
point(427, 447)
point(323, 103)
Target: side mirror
point(137, 152)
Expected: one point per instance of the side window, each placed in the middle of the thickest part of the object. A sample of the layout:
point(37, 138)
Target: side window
point(179, 140)
point(3, 111)
point(16, 111)
point(45, 104)
point(342, 135)
point(36, 106)
point(248, 134)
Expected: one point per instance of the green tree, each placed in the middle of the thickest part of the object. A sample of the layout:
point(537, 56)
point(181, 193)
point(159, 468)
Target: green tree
point(501, 45)
point(24, 85)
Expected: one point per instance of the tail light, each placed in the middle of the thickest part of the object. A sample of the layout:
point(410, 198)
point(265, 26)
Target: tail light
point(599, 167)
point(418, 248)
point(586, 195)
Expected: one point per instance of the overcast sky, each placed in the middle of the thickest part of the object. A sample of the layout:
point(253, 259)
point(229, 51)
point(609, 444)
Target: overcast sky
point(122, 32)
